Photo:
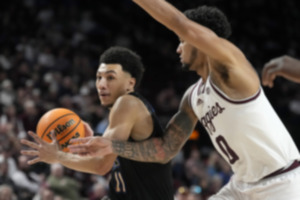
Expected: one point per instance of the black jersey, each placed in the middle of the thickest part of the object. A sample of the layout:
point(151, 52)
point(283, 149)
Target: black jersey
point(132, 180)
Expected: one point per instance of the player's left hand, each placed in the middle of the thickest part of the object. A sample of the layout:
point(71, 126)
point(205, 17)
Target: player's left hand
point(44, 151)
point(87, 129)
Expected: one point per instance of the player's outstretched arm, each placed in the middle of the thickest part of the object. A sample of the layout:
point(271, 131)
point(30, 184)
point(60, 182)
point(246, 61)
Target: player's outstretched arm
point(200, 36)
point(242, 78)
point(159, 150)
point(119, 128)
point(284, 66)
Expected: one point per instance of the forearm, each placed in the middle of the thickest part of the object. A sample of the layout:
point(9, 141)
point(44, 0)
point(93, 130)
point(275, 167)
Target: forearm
point(168, 15)
point(158, 9)
point(160, 150)
point(147, 151)
point(194, 33)
point(85, 164)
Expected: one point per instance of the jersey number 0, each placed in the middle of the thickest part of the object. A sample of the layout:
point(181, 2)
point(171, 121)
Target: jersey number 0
point(225, 148)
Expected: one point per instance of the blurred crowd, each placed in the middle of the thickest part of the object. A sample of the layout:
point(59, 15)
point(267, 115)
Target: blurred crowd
point(49, 52)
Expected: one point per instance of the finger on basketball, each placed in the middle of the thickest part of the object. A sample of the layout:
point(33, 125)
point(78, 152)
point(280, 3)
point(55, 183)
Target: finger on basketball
point(35, 137)
point(52, 135)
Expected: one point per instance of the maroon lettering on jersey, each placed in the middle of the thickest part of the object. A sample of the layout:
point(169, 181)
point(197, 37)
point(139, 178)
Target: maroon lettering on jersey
point(207, 119)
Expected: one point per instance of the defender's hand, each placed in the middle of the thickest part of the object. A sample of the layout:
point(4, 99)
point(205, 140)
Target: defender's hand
point(271, 70)
point(93, 146)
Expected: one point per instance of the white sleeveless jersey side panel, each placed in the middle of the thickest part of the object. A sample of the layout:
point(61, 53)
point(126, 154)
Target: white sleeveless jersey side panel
point(247, 133)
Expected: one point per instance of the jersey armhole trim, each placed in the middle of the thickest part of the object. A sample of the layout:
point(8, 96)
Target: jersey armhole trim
point(222, 95)
point(191, 93)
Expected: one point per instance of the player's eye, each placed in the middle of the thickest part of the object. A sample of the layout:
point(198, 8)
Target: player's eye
point(110, 78)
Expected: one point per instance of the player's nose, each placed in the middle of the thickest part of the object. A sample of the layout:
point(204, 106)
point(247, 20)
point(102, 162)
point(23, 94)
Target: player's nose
point(101, 84)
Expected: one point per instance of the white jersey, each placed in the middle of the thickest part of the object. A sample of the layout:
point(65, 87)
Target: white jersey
point(247, 133)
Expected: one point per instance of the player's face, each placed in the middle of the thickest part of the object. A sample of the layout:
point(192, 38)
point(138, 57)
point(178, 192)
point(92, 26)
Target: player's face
point(112, 82)
point(189, 55)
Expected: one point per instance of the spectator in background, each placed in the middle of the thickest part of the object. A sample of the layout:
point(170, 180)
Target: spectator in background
point(7, 94)
point(30, 115)
point(195, 193)
point(99, 190)
point(46, 194)
point(5, 178)
point(27, 182)
point(182, 193)
point(6, 193)
point(62, 185)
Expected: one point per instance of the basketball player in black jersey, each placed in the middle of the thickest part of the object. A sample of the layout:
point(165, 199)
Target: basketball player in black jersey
point(131, 118)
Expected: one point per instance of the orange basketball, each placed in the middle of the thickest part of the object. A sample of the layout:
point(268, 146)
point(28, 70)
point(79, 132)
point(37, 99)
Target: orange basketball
point(65, 123)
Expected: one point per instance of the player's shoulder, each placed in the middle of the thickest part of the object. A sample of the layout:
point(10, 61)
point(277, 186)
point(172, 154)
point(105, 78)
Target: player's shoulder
point(126, 98)
point(190, 89)
point(185, 104)
point(128, 101)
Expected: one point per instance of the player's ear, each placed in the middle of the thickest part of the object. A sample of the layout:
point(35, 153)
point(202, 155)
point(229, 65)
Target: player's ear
point(132, 82)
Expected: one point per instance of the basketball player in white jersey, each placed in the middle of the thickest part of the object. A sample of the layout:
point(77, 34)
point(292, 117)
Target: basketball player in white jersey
point(229, 102)
point(284, 66)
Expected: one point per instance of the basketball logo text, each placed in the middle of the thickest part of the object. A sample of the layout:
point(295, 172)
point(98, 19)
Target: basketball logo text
point(61, 128)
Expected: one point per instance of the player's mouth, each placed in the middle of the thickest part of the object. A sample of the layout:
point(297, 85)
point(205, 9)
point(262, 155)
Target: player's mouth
point(104, 95)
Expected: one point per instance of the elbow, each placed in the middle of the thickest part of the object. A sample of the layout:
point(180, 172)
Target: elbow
point(165, 161)
point(102, 169)
point(164, 153)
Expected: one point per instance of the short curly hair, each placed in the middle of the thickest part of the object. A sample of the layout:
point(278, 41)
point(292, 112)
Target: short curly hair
point(129, 60)
point(212, 18)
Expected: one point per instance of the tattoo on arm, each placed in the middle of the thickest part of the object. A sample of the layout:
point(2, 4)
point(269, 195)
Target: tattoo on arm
point(159, 149)
point(141, 151)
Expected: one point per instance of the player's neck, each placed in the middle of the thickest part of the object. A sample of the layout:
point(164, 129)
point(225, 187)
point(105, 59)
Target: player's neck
point(203, 71)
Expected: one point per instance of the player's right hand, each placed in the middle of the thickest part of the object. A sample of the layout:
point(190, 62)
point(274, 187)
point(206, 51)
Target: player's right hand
point(92, 146)
point(271, 70)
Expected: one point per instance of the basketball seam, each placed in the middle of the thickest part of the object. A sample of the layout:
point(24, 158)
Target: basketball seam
point(46, 130)
point(69, 131)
